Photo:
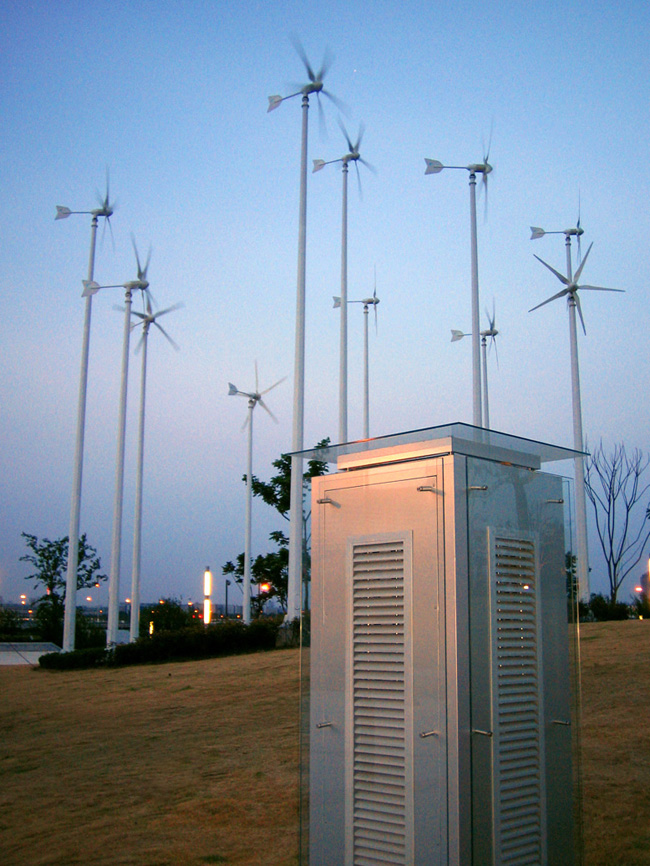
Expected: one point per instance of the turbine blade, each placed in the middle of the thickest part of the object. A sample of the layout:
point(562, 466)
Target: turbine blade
point(600, 289)
point(560, 276)
point(536, 232)
point(266, 409)
point(486, 153)
point(579, 306)
point(140, 342)
point(560, 294)
point(342, 106)
point(328, 59)
point(582, 264)
point(165, 334)
point(433, 166)
point(356, 165)
point(368, 165)
point(322, 125)
point(137, 257)
point(257, 384)
point(279, 382)
point(362, 130)
point(297, 44)
point(164, 312)
point(496, 351)
point(245, 424)
point(351, 147)
point(107, 222)
point(62, 212)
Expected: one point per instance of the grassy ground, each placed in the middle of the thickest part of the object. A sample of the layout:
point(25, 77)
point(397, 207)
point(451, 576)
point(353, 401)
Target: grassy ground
point(195, 763)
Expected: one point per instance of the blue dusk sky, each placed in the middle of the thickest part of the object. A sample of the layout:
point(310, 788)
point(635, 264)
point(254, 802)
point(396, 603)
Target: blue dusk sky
point(171, 97)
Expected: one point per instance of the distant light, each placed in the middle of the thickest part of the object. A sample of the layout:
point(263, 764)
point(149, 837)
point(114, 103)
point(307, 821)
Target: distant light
point(207, 592)
point(89, 598)
point(266, 587)
point(161, 601)
point(638, 589)
point(23, 595)
point(127, 600)
point(151, 627)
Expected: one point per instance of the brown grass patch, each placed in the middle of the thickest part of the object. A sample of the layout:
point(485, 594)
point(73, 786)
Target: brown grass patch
point(196, 763)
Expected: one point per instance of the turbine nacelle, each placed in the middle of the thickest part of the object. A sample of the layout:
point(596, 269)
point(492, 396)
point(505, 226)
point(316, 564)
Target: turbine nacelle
point(137, 284)
point(104, 211)
point(480, 168)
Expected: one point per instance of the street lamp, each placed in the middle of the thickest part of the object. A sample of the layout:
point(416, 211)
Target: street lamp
point(207, 593)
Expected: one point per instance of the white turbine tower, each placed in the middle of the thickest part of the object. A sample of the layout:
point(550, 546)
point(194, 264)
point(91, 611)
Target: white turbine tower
point(253, 397)
point(570, 291)
point(315, 85)
point(90, 288)
point(483, 168)
point(352, 156)
point(490, 333)
point(367, 302)
point(105, 210)
point(148, 318)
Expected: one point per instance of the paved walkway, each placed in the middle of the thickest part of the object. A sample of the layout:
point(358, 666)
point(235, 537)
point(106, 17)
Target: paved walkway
point(25, 653)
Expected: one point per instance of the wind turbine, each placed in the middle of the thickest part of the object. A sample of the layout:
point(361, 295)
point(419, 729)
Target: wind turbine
point(570, 291)
point(148, 318)
point(490, 333)
point(352, 156)
point(576, 231)
point(483, 168)
point(91, 288)
point(314, 85)
point(367, 302)
point(254, 397)
point(105, 210)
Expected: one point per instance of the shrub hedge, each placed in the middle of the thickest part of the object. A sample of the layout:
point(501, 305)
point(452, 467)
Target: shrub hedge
point(195, 642)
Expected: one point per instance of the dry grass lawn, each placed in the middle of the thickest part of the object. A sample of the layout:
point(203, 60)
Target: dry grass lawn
point(196, 763)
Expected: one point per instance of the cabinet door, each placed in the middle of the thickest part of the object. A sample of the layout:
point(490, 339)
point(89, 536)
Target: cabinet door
point(377, 771)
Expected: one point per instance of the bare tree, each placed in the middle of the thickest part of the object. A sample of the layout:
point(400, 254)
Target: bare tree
point(616, 488)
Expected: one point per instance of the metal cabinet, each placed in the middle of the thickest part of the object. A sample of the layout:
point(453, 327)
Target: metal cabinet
point(440, 702)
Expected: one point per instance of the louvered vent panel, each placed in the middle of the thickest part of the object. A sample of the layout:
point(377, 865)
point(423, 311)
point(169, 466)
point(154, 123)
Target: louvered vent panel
point(379, 774)
point(518, 758)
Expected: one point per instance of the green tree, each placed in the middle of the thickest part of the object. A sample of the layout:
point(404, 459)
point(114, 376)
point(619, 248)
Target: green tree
point(273, 567)
point(168, 615)
point(50, 562)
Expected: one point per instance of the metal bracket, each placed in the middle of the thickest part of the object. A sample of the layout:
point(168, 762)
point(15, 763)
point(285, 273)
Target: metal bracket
point(482, 733)
point(480, 487)
point(427, 488)
point(561, 722)
point(324, 725)
point(426, 734)
point(555, 501)
point(328, 501)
